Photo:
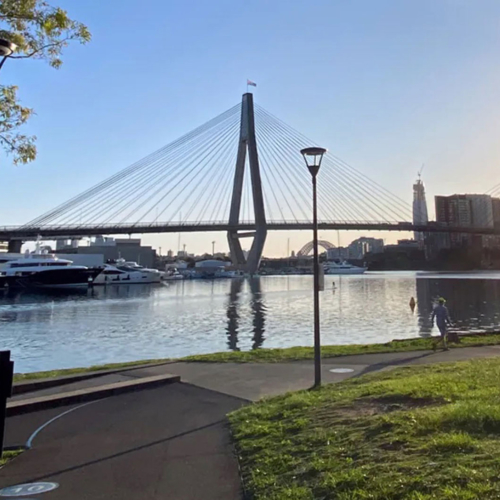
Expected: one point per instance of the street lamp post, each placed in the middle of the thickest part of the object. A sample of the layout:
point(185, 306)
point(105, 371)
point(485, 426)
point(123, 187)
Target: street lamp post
point(313, 158)
point(6, 50)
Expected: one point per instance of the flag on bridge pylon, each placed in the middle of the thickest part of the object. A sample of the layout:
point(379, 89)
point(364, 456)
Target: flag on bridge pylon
point(249, 82)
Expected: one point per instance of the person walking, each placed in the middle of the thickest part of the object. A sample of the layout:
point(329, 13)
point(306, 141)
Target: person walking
point(442, 317)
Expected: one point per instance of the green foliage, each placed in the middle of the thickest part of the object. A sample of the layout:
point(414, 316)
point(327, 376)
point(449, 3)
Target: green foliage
point(12, 116)
point(417, 433)
point(9, 455)
point(329, 351)
point(40, 31)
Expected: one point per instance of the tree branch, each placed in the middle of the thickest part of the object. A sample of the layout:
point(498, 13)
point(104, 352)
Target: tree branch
point(10, 143)
point(41, 49)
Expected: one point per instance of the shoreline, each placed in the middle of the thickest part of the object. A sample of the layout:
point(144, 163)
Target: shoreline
point(273, 355)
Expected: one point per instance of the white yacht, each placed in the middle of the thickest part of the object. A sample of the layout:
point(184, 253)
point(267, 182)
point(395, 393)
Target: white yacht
point(343, 268)
point(136, 267)
point(172, 274)
point(124, 275)
point(232, 273)
point(45, 271)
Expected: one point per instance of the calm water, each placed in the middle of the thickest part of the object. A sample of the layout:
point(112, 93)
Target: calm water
point(138, 322)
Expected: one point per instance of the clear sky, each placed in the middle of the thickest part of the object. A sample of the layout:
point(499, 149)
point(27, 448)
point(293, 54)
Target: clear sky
point(386, 85)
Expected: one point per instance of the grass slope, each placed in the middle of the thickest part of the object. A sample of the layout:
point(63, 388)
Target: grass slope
point(329, 351)
point(9, 455)
point(417, 433)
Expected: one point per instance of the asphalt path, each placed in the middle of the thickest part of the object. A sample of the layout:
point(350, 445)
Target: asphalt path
point(165, 443)
point(170, 442)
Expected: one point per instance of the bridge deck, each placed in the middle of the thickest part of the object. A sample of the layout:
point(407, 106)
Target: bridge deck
point(79, 231)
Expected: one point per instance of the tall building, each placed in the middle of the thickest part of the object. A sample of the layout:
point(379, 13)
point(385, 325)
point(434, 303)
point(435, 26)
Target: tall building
point(496, 211)
point(473, 210)
point(466, 210)
point(455, 210)
point(482, 210)
point(420, 216)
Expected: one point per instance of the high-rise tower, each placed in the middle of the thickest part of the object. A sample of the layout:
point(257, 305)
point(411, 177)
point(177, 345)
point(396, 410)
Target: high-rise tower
point(420, 217)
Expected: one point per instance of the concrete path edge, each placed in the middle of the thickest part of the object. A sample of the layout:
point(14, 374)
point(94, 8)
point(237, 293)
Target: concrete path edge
point(48, 383)
point(83, 395)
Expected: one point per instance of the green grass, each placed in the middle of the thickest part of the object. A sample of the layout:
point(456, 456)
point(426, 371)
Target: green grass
point(416, 433)
point(21, 377)
point(275, 355)
point(9, 455)
point(329, 351)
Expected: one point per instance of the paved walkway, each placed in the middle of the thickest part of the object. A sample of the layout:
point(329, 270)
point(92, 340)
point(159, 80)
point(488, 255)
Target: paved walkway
point(171, 441)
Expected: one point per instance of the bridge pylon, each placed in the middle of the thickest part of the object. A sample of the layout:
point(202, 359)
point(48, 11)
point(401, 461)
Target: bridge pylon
point(247, 143)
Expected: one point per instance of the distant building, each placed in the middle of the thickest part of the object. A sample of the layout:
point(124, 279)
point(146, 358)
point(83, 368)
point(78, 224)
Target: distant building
point(170, 254)
point(358, 248)
point(465, 210)
point(101, 241)
point(129, 249)
point(4, 247)
point(482, 210)
point(495, 202)
point(420, 216)
point(60, 244)
point(408, 243)
point(455, 210)
point(338, 253)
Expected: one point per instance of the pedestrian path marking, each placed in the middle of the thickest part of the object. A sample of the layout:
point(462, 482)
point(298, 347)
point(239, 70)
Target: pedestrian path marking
point(341, 370)
point(24, 490)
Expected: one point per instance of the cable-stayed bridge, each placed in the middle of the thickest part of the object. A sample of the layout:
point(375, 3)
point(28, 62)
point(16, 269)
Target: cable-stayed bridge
point(241, 173)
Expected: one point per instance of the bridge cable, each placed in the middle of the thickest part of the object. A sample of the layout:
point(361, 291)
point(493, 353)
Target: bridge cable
point(393, 199)
point(135, 166)
point(368, 193)
point(293, 148)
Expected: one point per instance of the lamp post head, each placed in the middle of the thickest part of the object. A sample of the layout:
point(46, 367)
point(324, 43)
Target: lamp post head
point(6, 47)
point(313, 158)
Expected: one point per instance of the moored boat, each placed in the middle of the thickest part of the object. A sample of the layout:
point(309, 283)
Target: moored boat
point(343, 268)
point(45, 271)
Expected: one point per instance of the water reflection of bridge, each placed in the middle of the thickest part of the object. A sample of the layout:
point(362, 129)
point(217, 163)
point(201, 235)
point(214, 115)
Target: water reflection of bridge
point(258, 311)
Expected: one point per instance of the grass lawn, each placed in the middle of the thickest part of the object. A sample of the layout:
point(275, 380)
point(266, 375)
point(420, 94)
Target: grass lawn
point(21, 377)
point(9, 455)
point(417, 433)
point(275, 355)
point(329, 351)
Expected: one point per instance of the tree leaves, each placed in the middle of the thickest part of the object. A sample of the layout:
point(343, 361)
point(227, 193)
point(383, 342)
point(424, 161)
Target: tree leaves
point(40, 31)
point(12, 116)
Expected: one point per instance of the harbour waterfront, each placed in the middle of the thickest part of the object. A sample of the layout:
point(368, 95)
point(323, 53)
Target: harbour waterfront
point(125, 323)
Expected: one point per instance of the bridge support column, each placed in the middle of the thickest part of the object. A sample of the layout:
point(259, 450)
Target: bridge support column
point(247, 142)
point(14, 246)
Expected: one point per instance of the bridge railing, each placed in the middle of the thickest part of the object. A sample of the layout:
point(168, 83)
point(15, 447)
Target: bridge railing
point(55, 231)
point(120, 225)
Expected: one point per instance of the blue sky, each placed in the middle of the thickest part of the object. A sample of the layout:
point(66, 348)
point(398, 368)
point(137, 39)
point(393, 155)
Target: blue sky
point(386, 85)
